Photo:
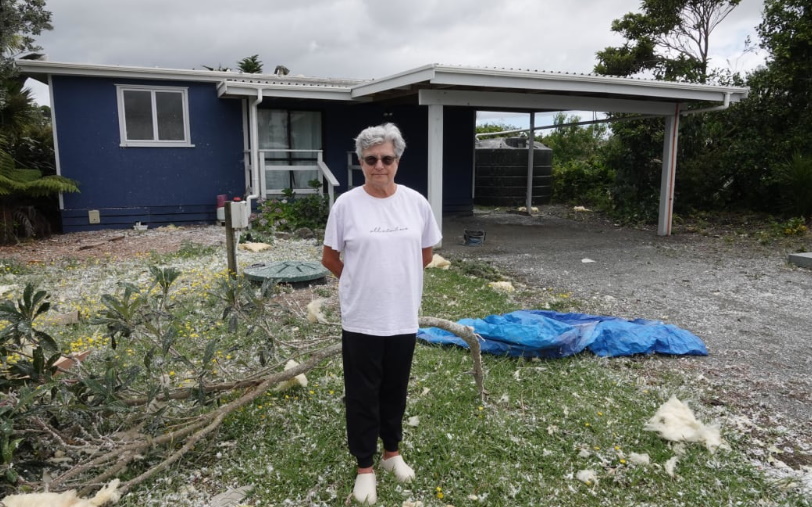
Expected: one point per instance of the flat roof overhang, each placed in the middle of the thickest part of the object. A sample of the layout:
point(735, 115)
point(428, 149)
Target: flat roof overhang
point(436, 84)
point(523, 90)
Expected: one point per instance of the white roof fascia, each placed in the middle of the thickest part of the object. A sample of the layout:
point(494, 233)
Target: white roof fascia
point(231, 89)
point(527, 101)
point(115, 71)
point(395, 81)
point(577, 83)
point(75, 69)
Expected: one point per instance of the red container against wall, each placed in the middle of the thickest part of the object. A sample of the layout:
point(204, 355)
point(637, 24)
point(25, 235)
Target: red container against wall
point(221, 200)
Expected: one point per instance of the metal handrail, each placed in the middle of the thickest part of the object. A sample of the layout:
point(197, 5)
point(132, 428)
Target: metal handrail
point(351, 167)
point(324, 171)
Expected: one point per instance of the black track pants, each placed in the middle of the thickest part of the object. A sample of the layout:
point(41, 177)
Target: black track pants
point(376, 380)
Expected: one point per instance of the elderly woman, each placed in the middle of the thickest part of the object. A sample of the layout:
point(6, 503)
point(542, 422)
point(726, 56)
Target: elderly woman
point(378, 239)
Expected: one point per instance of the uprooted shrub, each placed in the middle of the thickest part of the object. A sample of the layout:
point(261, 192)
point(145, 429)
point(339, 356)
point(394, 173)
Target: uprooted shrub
point(167, 373)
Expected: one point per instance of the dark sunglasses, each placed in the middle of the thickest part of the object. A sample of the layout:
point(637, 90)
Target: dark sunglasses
point(387, 160)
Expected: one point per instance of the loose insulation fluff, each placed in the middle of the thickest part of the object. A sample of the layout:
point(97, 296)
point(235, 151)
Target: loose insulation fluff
point(298, 381)
point(639, 459)
point(587, 477)
point(439, 262)
point(676, 422)
point(314, 313)
point(502, 286)
point(108, 494)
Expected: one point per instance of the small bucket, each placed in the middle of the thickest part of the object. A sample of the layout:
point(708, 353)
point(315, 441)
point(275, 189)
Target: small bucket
point(473, 238)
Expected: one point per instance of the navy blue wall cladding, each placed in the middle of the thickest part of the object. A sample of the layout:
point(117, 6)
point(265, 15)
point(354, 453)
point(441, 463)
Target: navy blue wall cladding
point(114, 177)
point(459, 129)
point(343, 123)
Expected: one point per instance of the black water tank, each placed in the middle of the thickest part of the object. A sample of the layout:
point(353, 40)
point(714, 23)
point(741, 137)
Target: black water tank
point(501, 172)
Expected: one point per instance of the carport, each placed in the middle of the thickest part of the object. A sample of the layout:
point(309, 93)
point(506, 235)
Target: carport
point(531, 91)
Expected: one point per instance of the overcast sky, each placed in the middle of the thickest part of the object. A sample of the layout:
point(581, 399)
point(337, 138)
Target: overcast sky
point(357, 38)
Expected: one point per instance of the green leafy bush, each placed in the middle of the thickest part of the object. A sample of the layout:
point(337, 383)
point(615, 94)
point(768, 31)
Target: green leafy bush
point(292, 212)
point(795, 181)
point(582, 182)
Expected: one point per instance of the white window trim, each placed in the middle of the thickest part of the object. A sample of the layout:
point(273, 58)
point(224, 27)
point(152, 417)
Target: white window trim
point(122, 124)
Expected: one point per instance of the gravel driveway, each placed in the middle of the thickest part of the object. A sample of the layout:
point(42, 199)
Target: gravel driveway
point(751, 307)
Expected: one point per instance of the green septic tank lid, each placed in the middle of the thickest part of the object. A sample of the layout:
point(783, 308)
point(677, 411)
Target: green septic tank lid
point(286, 271)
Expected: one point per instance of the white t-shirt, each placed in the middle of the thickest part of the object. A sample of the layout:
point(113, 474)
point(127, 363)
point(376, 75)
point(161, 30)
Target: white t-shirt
point(381, 240)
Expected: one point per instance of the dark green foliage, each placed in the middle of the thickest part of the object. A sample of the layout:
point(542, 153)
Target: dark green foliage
point(492, 128)
point(579, 173)
point(571, 142)
point(584, 183)
point(29, 184)
point(20, 332)
point(292, 212)
point(20, 20)
point(795, 182)
point(250, 65)
point(669, 38)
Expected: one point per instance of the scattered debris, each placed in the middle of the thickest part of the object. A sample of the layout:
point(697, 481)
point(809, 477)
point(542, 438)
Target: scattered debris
point(65, 363)
point(255, 247)
point(297, 381)
point(96, 245)
point(671, 466)
point(587, 260)
point(588, 477)
point(580, 208)
point(437, 261)
point(230, 498)
point(413, 421)
point(108, 494)
point(314, 313)
point(676, 422)
point(502, 286)
point(65, 319)
point(639, 459)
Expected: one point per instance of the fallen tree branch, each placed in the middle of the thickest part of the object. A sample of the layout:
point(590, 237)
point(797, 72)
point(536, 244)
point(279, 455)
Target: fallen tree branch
point(211, 420)
point(118, 456)
point(471, 338)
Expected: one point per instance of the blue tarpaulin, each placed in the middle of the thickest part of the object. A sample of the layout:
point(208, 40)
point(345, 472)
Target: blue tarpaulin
point(548, 334)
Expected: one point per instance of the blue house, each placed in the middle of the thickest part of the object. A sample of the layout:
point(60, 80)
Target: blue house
point(157, 146)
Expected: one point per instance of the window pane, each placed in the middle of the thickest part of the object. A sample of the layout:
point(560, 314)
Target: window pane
point(301, 179)
point(305, 130)
point(138, 115)
point(273, 129)
point(170, 116)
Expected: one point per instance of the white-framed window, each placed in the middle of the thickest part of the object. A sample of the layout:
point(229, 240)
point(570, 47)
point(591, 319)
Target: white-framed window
point(153, 116)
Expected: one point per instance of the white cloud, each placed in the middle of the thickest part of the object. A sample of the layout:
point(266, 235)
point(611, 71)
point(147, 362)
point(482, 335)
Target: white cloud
point(355, 38)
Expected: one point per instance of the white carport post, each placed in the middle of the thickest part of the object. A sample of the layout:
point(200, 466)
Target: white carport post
point(435, 162)
point(531, 149)
point(669, 173)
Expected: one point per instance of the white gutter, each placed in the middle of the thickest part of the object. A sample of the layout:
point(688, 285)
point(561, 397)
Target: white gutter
point(709, 109)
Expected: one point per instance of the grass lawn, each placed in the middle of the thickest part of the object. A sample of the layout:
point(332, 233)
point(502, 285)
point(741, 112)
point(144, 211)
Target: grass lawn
point(543, 422)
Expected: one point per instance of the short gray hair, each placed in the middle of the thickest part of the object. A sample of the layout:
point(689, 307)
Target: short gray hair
point(379, 134)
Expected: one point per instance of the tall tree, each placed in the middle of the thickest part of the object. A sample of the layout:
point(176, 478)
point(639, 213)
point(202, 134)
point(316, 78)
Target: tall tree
point(670, 38)
point(20, 21)
point(769, 132)
point(250, 65)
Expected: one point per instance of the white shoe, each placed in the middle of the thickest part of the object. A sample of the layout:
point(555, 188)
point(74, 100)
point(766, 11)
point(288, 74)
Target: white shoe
point(365, 491)
point(402, 471)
